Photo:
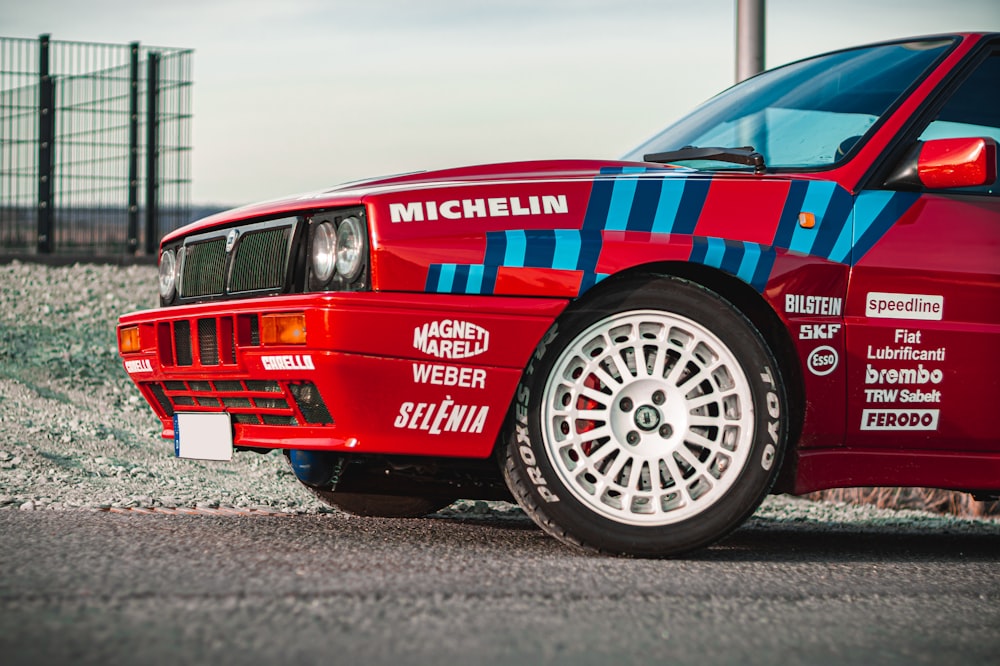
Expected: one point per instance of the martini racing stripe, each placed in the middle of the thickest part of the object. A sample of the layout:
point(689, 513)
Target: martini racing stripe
point(673, 206)
point(872, 225)
point(751, 262)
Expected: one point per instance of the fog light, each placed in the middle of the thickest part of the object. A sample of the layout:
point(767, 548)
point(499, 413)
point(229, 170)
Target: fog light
point(128, 340)
point(283, 329)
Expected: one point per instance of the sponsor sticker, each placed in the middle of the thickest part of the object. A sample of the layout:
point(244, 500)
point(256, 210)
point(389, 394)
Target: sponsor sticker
point(813, 305)
point(451, 339)
point(464, 209)
point(138, 365)
point(449, 375)
point(288, 362)
point(823, 360)
point(445, 416)
point(818, 331)
point(899, 419)
point(883, 305)
point(917, 375)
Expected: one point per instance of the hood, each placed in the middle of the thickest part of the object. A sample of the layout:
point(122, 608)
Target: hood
point(358, 192)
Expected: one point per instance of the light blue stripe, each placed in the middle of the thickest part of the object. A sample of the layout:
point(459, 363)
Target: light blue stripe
point(475, 283)
point(567, 252)
point(748, 266)
point(634, 169)
point(666, 209)
point(517, 247)
point(867, 207)
point(715, 252)
point(447, 278)
point(817, 201)
point(621, 203)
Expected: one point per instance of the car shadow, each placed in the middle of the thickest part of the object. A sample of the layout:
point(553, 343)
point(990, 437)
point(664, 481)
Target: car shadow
point(774, 540)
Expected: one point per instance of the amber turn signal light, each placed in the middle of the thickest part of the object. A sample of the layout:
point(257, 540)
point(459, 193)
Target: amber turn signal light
point(128, 340)
point(283, 329)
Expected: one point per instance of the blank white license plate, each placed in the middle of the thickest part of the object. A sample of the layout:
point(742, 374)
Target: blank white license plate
point(203, 436)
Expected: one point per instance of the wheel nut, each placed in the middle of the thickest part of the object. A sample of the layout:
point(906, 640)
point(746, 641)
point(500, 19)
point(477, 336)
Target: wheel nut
point(666, 430)
point(626, 405)
point(632, 437)
point(659, 398)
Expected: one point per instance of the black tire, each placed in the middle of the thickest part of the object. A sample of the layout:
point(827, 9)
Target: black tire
point(651, 421)
point(381, 506)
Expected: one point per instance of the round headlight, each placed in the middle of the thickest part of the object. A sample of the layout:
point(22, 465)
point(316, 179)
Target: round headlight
point(350, 247)
point(168, 274)
point(324, 251)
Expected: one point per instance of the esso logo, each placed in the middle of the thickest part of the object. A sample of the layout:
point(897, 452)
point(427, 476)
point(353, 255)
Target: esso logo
point(822, 360)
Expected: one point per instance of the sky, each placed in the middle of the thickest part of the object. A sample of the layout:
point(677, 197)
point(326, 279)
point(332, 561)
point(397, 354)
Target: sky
point(297, 95)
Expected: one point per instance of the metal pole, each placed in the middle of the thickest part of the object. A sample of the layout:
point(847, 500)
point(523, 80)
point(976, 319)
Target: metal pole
point(133, 148)
point(46, 148)
point(152, 151)
point(750, 38)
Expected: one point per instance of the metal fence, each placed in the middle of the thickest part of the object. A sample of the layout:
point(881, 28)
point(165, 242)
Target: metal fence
point(95, 146)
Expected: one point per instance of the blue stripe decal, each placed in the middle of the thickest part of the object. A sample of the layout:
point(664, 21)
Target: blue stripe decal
point(591, 243)
point(447, 278)
point(461, 282)
point(489, 280)
point(845, 230)
point(644, 205)
point(816, 201)
point(669, 203)
point(748, 266)
point(715, 252)
point(763, 271)
point(433, 275)
point(600, 201)
point(788, 222)
point(541, 248)
point(699, 248)
point(692, 201)
point(474, 285)
point(567, 251)
point(621, 203)
point(517, 247)
point(895, 208)
point(496, 248)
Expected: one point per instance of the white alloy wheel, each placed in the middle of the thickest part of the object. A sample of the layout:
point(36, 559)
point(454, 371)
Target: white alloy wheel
point(647, 417)
point(650, 421)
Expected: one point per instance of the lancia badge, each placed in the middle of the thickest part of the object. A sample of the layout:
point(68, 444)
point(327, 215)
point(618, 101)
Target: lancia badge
point(231, 239)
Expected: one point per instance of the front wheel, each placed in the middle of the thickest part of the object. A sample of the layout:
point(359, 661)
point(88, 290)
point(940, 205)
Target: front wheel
point(650, 421)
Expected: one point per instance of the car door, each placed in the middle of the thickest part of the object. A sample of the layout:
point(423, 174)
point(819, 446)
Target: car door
point(923, 302)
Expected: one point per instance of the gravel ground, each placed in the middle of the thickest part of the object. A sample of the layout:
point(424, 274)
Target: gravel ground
point(75, 433)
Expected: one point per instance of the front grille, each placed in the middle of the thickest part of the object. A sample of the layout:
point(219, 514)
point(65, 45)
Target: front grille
point(203, 268)
point(253, 402)
point(250, 258)
point(261, 260)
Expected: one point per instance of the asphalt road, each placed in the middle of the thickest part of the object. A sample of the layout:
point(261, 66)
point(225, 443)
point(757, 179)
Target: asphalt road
point(84, 587)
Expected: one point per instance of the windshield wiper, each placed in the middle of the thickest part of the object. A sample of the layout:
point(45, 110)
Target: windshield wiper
point(745, 155)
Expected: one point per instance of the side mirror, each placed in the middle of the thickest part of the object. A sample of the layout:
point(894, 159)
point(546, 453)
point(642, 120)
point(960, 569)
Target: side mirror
point(945, 164)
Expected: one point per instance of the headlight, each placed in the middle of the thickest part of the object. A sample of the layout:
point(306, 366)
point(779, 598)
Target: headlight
point(168, 274)
point(324, 251)
point(350, 247)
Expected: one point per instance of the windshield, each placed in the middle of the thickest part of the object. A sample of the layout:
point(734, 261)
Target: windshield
point(805, 115)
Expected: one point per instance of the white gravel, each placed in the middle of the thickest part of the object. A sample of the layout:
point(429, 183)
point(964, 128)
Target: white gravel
point(75, 433)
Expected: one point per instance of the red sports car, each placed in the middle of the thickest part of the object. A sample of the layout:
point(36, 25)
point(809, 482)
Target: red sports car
point(795, 287)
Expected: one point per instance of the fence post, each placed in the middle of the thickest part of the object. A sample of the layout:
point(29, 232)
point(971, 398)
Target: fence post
point(152, 151)
point(133, 148)
point(46, 148)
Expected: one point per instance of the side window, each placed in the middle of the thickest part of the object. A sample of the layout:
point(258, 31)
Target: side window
point(972, 110)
